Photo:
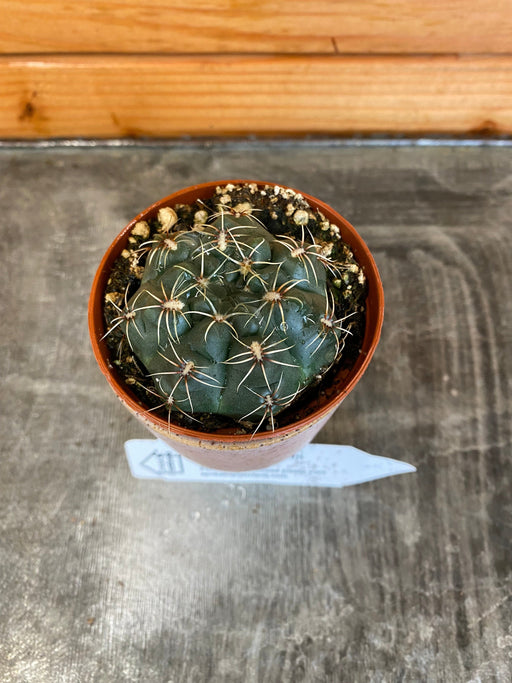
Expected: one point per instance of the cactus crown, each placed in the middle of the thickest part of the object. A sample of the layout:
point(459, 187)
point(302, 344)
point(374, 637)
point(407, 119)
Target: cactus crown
point(230, 318)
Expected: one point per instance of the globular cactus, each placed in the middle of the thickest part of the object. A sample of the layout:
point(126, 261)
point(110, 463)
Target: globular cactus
point(232, 320)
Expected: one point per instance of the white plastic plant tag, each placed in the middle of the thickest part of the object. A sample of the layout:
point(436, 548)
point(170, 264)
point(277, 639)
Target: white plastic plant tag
point(315, 465)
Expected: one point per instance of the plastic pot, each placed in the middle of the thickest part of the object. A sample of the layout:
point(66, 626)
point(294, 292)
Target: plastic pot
point(231, 451)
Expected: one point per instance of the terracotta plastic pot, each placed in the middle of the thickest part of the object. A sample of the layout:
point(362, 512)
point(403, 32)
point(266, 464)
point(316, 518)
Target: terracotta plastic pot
point(230, 451)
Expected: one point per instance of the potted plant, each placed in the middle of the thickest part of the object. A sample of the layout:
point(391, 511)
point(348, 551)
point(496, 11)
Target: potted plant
point(232, 318)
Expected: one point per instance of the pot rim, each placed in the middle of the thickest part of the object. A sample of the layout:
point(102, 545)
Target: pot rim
point(374, 317)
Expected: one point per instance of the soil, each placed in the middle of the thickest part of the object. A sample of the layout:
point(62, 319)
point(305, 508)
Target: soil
point(277, 209)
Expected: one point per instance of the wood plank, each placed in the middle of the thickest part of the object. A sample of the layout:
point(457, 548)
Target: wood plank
point(175, 96)
point(289, 26)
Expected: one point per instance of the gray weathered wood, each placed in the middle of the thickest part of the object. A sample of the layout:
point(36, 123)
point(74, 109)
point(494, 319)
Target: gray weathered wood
point(106, 578)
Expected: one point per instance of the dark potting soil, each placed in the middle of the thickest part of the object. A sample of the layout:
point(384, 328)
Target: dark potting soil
point(282, 213)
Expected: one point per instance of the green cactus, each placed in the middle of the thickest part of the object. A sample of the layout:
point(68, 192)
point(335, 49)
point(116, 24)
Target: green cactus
point(232, 320)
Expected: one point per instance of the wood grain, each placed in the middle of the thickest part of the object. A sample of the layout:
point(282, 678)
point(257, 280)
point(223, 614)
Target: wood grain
point(106, 578)
point(234, 95)
point(286, 26)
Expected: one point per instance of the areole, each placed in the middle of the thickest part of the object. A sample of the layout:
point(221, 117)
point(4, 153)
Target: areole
point(231, 451)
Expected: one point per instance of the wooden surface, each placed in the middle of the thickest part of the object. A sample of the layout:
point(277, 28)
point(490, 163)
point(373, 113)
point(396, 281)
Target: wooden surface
point(283, 26)
point(122, 96)
point(171, 69)
point(106, 578)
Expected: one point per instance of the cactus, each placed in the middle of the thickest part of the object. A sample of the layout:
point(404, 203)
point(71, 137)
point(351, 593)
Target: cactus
point(231, 319)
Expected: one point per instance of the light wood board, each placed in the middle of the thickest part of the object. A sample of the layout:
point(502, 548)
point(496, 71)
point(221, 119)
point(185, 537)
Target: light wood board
point(284, 26)
point(158, 96)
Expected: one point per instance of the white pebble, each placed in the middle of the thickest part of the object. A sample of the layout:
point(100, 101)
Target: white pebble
point(200, 217)
point(141, 229)
point(167, 218)
point(243, 207)
point(301, 217)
